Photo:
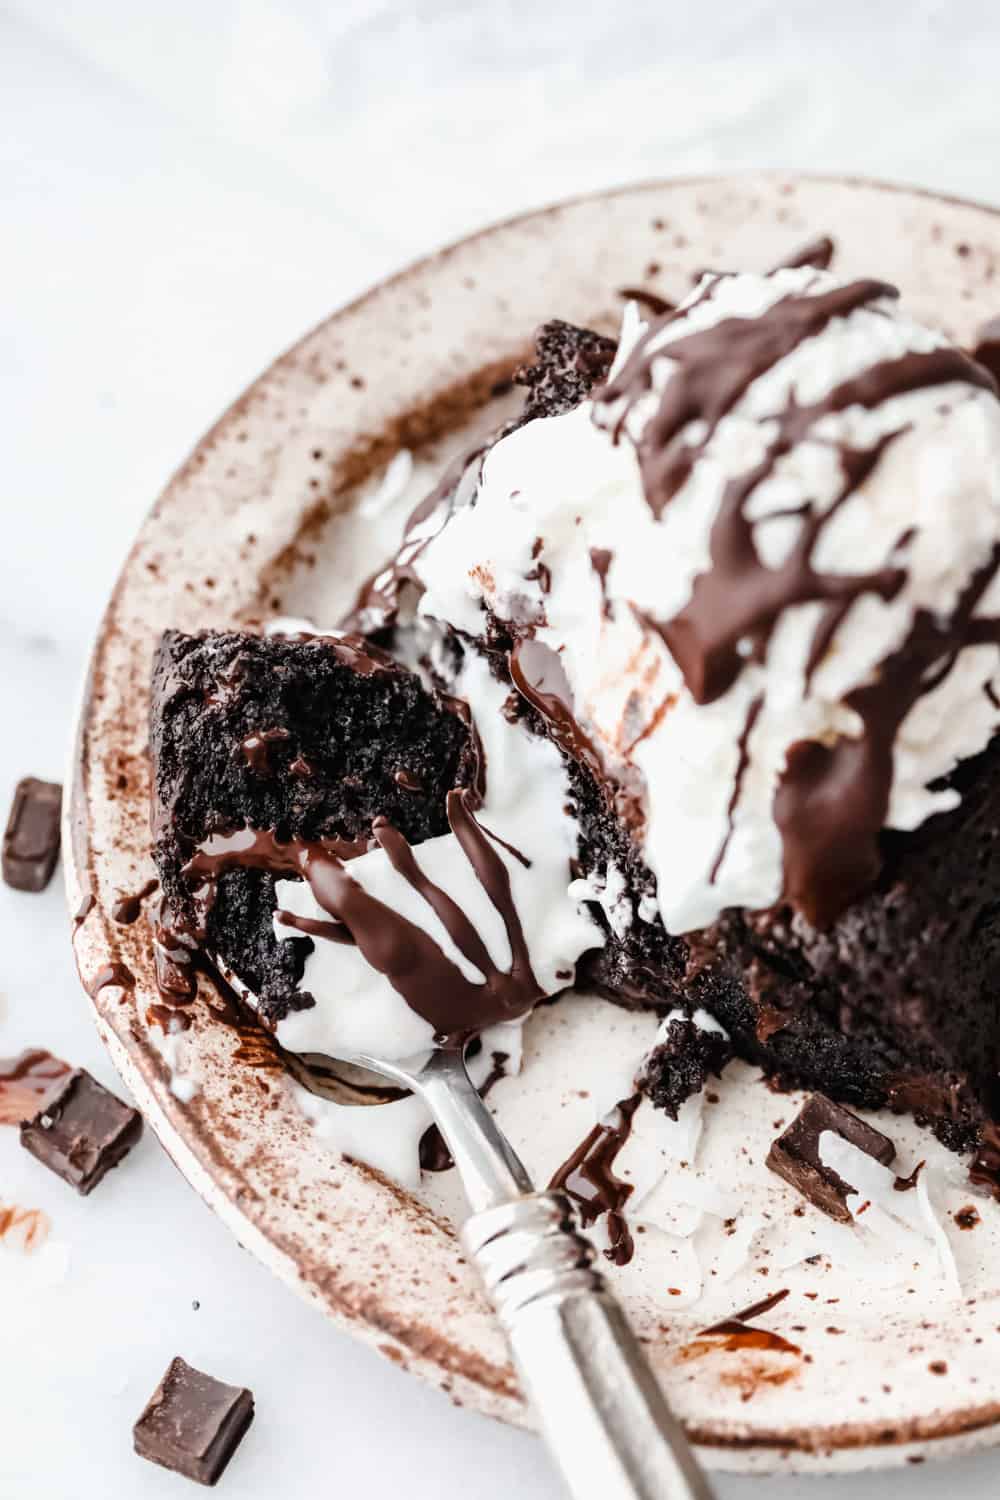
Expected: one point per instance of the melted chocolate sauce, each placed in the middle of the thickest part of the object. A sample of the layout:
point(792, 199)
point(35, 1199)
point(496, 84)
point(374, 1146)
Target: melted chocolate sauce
point(967, 1217)
point(588, 1178)
point(600, 561)
point(987, 350)
point(87, 904)
point(832, 801)
point(112, 974)
point(126, 909)
point(714, 368)
point(539, 676)
point(168, 1018)
point(256, 749)
point(818, 254)
point(738, 1332)
point(654, 304)
point(26, 1082)
point(407, 780)
point(316, 927)
point(411, 960)
point(434, 1153)
point(740, 600)
point(377, 604)
point(907, 1184)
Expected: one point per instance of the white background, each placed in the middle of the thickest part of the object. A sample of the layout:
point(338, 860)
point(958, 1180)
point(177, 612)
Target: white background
point(185, 188)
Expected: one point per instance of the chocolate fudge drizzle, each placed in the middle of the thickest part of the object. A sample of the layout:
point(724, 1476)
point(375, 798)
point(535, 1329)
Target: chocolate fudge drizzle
point(739, 1333)
point(377, 604)
point(818, 254)
point(126, 909)
point(832, 800)
point(987, 350)
point(539, 676)
point(715, 368)
point(588, 1178)
point(417, 968)
point(654, 304)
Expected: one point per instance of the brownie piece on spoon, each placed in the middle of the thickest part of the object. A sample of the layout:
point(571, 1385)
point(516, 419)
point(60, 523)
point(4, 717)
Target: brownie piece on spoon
point(304, 737)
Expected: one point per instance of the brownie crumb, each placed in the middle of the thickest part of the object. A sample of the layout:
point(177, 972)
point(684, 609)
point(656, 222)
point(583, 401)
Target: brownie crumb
point(682, 1063)
point(569, 362)
point(350, 712)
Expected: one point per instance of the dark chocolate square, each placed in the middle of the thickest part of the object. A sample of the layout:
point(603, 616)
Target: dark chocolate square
point(795, 1154)
point(82, 1131)
point(193, 1424)
point(31, 839)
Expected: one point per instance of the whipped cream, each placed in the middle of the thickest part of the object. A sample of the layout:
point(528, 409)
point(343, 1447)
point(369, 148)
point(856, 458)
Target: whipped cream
point(562, 541)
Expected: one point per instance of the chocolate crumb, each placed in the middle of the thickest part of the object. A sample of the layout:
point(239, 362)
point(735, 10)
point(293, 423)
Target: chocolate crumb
point(795, 1155)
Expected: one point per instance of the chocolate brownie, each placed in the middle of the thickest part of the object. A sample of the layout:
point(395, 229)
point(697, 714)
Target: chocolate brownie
point(307, 737)
point(568, 363)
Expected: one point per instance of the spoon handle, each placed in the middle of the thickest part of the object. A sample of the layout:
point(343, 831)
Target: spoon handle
point(598, 1403)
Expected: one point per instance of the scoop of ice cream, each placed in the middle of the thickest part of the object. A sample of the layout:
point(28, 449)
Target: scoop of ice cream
point(758, 576)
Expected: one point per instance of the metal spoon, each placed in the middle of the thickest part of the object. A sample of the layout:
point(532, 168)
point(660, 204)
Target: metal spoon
point(598, 1403)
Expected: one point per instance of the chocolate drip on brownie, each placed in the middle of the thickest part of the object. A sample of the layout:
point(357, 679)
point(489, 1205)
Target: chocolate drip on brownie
point(417, 968)
point(352, 713)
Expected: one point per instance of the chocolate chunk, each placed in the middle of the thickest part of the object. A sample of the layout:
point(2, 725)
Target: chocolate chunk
point(82, 1131)
point(31, 841)
point(795, 1154)
point(193, 1424)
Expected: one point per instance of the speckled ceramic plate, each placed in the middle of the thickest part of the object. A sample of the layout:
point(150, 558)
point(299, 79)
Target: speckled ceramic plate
point(883, 1366)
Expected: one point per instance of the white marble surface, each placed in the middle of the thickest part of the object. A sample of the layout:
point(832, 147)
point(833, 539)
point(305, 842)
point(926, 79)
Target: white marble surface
point(185, 189)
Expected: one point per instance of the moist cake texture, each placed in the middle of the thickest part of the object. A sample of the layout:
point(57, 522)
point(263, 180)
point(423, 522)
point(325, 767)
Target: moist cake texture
point(310, 739)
